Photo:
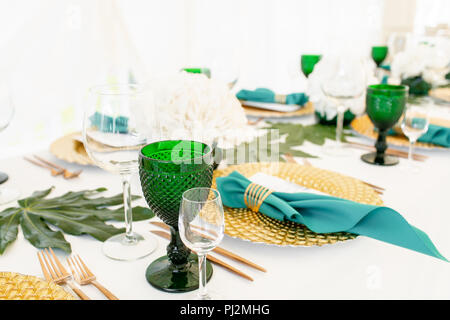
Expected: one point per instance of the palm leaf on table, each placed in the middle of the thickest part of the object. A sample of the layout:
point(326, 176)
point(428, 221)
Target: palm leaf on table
point(74, 213)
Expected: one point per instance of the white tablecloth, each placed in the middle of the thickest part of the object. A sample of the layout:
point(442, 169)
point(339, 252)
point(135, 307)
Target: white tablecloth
point(360, 269)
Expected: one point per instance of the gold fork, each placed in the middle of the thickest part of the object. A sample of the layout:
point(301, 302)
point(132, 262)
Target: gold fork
point(84, 276)
point(55, 272)
point(66, 173)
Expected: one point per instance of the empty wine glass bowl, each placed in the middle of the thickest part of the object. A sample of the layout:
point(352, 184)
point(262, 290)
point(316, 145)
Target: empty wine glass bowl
point(344, 81)
point(201, 224)
point(414, 124)
point(113, 138)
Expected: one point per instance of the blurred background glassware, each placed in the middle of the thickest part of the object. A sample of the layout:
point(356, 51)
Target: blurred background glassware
point(414, 124)
point(308, 62)
point(167, 169)
point(6, 114)
point(379, 53)
point(345, 81)
point(384, 105)
point(201, 224)
point(112, 140)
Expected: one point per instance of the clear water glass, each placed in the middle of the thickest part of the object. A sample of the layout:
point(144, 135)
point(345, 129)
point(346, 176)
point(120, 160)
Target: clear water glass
point(414, 124)
point(201, 225)
point(344, 81)
point(113, 137)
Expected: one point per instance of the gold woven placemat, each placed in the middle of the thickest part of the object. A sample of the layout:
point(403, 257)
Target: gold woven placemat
point(15, 286)
point(256, 227)
point(365, 127)
point(251, 111)
point(440, 94)
point(71, 150)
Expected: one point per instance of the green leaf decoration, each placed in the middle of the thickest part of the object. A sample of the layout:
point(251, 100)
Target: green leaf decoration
point(291, 136)
point(74, 213)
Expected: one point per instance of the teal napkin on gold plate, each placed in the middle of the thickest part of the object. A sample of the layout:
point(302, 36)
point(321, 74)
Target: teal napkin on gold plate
point(435, 134)
point(267, 95)
point(327, 214)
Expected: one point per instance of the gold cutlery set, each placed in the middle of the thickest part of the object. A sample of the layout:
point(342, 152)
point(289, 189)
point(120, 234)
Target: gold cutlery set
point(55, 169)
point(54, 271)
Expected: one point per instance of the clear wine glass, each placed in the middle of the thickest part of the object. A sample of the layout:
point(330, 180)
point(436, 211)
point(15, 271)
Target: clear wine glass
point(113, 137)
point(414, 124)
point(201, 224)
point(345, 80)
point(6, 114)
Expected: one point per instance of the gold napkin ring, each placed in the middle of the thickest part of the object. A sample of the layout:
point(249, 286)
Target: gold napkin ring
point(280, 98)
point(255, 195)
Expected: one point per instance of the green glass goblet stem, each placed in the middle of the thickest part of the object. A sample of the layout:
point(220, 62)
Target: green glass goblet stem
point(384, 106)
point(308, 62)
point(167, 169)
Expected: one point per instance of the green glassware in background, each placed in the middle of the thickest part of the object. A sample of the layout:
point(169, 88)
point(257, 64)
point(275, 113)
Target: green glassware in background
point(384, 106)
point(379, 54)
point(308, 61)
point(167, 169)
point(205, 71)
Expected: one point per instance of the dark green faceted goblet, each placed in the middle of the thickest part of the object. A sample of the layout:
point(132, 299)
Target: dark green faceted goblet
point(167, 169)
point(384, 106)
point(308, 61)
point(379, 54)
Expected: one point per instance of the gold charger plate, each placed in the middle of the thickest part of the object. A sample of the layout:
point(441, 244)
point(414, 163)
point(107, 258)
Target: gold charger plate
point(442, 94)
point(256, 112)
point(15, 286)
point(365, 127)
point(69, 149)
point(242, 223)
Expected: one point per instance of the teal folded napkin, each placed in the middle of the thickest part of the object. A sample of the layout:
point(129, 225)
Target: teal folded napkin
point(109, 124)
point(326, 214)
point(267, 95)
point(435, 134)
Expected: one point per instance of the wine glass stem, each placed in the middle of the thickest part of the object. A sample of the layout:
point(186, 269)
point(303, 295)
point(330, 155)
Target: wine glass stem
point(127, 206)
point(339, 125)
point(410, 152)
point(203, 293)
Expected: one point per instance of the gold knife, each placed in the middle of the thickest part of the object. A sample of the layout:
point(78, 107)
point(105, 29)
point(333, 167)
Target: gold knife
point(219, 250)
point(166, 235)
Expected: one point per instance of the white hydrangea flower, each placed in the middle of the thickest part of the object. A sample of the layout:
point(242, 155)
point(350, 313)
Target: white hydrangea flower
point(192, 106)
point(430, 61)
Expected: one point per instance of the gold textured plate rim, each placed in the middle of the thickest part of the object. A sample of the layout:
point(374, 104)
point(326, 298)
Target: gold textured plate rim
point(30, 287)
point(256, 112)
point(364, 126)
point(242, 223)
point(441, 94)
point(69, 149)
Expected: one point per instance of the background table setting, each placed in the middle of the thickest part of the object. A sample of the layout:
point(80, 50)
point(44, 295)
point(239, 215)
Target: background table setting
point(192, 185)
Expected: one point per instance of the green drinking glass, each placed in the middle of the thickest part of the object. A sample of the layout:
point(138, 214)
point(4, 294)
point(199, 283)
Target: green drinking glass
point(384, 106)
point(379, 54)
point(167, 169)
point(308, 61)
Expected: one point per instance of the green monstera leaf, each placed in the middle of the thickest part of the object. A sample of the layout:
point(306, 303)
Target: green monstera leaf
point(74, 213)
